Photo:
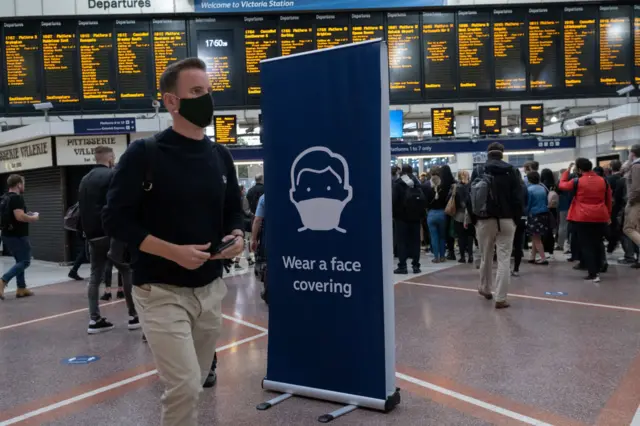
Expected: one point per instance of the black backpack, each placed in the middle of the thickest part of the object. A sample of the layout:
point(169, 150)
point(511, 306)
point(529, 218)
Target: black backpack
point(415, 203)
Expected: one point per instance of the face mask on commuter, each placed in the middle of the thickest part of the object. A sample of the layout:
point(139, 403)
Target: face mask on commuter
point(198, 111)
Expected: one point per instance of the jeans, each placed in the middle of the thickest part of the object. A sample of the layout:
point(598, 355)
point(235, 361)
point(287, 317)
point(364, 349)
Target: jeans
point(99, 261)
point(408, 240)
point(630, 249)
point(437, 222)
point(592, 255)
point(20, 248)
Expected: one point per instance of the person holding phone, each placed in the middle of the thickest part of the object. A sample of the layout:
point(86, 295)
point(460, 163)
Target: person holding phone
point(174, 200)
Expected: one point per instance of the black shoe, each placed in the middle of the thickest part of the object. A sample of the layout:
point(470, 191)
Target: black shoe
point(579, 267)
point(251, 262)
point(99, 326)
point(401, 271)
point(487, 296)
point(120, 294)
point(134, 323)
point(144, 338)
point(212, 378)
point(106, 296)
point(74, 276)
point(462, 260)
point(624, 261)
point(417, 270)
point(451, 256)
point(470, 260)
point(571, 259)
point(635, 266)
point(604, 268)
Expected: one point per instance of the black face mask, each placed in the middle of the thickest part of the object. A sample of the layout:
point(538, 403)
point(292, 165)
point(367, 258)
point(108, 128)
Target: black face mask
point(198, 111)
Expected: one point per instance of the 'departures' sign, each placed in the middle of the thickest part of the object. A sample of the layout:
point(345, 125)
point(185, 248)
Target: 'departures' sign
point(80, 150)
point(30, 155)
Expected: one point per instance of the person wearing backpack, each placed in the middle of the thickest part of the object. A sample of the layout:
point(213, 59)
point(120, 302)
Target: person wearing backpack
point(496, 207)
point(590, 212)
point(409, 206)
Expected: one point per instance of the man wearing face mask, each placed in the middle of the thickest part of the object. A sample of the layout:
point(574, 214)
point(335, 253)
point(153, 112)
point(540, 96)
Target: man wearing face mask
point(174, 200)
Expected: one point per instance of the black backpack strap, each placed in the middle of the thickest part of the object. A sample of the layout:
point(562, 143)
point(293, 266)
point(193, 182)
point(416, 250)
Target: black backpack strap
point(150, 147)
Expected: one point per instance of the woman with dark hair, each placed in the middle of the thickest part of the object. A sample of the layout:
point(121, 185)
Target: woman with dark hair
point(437, 197)
point(548, 181)
point(446, 176)
point(537, 217)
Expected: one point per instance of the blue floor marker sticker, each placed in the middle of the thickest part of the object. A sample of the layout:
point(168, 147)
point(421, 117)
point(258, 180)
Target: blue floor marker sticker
point(555, 293)
point(80, 360)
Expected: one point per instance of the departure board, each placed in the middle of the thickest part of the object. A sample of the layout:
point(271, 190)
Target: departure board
point(474, 50)
point(510, 50)
point(216, 49)
point(442, 122)
point(636, 44)
point(439, 45)
point(97, 64)
point(260, 42)
point(60, 63)
point(580, 47)
point(135, 63)
point(532, 118)
point(490, 118)
point(169, 45)
point(22, 64)
point(225, 127)
point(332, 30)
point(296, 34)
point(366, 26)
point(403, 39)
point(545, 49)
point(616, 65)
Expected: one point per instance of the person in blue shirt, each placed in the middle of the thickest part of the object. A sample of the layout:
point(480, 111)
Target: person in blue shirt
point(537, 216)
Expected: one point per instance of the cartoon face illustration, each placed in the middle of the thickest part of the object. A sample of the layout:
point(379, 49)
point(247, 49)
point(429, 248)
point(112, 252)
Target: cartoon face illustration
point(320, 188)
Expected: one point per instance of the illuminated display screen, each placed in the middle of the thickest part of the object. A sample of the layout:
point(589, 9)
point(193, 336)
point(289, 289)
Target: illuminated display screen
point(260, 42)
point(403, 39)
point(331, 30)
point(442, 122)
point(296, 34)
point(509, 50)
point(22, 64)
point(490, 118)
point(615, 46)
point(216, 49)
point(60, 63)
point(440, 59)
point(532, 118)
point(579, 47)
point(135, 62)
point(225, 128)
point(366, 26)
point(545, 49)
point(474, 46)
point(636, 37)
point(169, 46)
point(97, 63)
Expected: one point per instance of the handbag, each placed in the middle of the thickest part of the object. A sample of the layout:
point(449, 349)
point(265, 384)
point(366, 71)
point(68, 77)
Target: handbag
point(450, 209)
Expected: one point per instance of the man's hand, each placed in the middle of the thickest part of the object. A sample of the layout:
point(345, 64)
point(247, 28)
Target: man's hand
point(230, 252)
point(191, 256)
point(254, 245)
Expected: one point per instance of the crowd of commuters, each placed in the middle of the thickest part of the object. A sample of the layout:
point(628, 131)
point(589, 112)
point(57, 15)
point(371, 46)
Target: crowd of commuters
point(575, 213)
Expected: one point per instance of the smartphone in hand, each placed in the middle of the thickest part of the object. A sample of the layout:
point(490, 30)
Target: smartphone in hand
point(223, 246)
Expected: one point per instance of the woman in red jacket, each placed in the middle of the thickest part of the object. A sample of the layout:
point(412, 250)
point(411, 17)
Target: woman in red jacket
point(590, 211)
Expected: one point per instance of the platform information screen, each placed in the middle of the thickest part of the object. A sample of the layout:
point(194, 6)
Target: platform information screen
point(97, 63)
point(260, 42)
point(545, 49)
point(532, 118)
point(474, 50)
point(22, 63)
point(490, 119)
point(615, 46)
point(216, 48)
point(442, 122)
point(580, 47)
point(296, 34)
point(169, 46)
point(403, 41)
point(135, 62)
point(225, 127)
point(332, 30)
point(439, 47)
point(366, 26)
point(509, 50)
point(636, 44)
point(60, 63)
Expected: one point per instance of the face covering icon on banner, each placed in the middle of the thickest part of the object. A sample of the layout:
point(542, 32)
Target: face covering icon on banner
point(320, 188)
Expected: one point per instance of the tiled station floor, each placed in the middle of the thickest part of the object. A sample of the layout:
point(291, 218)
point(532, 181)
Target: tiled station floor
point(572, 359)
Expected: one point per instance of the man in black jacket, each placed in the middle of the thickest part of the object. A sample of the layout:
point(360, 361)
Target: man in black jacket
point(408, 209)
point(175, 201)
point(254, 194)
point(615, 179)
point(499, 228)
point(92, 199)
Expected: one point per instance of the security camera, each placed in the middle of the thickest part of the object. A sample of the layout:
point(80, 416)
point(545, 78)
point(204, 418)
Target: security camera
point(626, 90)
point(155, 103)
point(43, 107)
point(587, 121)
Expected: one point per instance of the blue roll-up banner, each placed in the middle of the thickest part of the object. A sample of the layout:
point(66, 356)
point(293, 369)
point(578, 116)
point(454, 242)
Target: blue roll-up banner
point(328, 219)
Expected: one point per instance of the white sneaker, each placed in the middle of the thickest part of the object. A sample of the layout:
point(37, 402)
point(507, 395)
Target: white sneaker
point(596, 280)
